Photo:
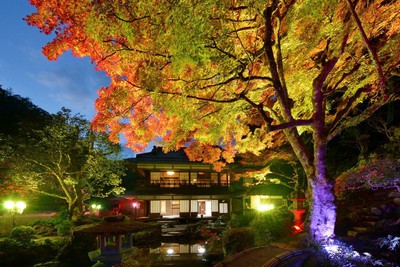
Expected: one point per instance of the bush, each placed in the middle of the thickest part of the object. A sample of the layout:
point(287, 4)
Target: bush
point(242, 220)
point(57, 226)
point(44, 228)
point(64, 228)
point(237, 239)
point(23, 233)
point(17, 253)
point(272, 225)
point(391, 242)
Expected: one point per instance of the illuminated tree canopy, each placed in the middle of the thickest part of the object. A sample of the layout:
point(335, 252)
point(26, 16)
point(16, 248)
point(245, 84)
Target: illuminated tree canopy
point(67, 161)
point(223, 77)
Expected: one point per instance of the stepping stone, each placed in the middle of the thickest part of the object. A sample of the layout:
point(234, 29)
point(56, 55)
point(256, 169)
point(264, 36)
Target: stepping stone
point(361, 229)
point(352, 233)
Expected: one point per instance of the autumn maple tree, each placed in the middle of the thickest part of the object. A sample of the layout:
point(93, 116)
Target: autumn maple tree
point(226, 77)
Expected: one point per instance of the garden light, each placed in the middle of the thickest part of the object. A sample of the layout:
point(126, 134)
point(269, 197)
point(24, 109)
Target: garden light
point(9, 205)
point(20, 206)
point(265, 207)
point(135, 206)
point(201, 249)
point(96, 208)
point(15, 207)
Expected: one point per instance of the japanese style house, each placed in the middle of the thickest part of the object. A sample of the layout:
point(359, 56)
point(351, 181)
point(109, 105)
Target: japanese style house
point(168, 185)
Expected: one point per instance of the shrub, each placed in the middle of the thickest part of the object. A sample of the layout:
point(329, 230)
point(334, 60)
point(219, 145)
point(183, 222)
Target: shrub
point(23, 233)
point(272, 225)
point(339, 254)
point(44, 228)
point(391, 242)
point(214, 248)
point(64, 228)
point(57, 226)
point(237, 239)
point(17, 253)
point(242, 220)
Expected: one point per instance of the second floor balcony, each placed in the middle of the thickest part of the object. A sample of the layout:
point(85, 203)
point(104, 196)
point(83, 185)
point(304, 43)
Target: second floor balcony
point(175, 183)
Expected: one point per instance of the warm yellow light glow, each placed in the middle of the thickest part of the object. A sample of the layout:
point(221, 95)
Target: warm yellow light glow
point(265, 207)
point(20, 206)
point(9, 205)
point(170, 251)
point(201, 249)
point(170, 172)
point(96, 206)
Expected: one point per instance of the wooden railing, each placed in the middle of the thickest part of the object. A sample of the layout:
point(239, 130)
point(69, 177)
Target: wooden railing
point(176, 184)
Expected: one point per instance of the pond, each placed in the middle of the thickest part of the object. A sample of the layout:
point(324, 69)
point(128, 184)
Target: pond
point(168, 254)
point(166, 244)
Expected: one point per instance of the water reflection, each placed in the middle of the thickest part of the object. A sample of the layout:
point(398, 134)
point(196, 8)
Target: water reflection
point(168, 254)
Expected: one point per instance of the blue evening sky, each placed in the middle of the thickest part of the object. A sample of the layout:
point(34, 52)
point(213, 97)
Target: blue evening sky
point(68, 82)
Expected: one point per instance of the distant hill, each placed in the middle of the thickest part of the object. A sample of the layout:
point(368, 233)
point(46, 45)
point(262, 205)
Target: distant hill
point(18, 112)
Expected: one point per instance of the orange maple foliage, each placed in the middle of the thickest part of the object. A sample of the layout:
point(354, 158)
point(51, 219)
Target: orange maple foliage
point(232, 77)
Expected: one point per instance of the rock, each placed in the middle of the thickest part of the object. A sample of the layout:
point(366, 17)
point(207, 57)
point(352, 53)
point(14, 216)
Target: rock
point(397, 201)
point(352, 233)
point(394, 194)
point(376, 211)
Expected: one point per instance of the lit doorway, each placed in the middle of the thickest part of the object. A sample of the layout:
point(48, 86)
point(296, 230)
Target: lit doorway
point(170, 208)
point(204, 208)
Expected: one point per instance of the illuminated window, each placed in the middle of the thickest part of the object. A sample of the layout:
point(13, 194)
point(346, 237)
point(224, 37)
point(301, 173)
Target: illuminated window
point(223, 207)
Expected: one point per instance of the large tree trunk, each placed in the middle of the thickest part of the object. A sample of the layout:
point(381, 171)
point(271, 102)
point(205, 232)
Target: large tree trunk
point(77, 211)
point(322, 209)
point(322, 198)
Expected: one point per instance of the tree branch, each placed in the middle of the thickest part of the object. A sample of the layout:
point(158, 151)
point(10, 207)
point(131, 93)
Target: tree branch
point(268, 44)
point(364, 115)
point(50, 194)
point(291, 124)
point(342, 113)
point(371, 50)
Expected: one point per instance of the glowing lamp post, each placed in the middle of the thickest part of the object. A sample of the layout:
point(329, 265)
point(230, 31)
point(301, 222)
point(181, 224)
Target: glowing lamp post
point(135, 206)
point(170, 253)
point(201, 250)
point(96, 209)
point(15, 207)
